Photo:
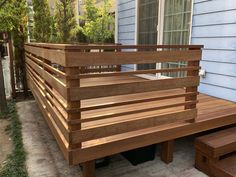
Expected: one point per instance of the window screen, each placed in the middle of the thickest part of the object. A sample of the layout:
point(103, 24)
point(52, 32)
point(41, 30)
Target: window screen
point(177, 16)
point(147, 26)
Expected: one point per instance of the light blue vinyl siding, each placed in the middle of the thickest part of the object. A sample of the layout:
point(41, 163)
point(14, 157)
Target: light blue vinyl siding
point(126, 21)
point(126, 25)
point(214, 26)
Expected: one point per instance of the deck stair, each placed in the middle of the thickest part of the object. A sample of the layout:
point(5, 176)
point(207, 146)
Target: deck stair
point(213, 153)
point(225, 167)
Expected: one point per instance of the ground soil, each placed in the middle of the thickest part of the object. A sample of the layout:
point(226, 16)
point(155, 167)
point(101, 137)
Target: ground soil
point(5, 141)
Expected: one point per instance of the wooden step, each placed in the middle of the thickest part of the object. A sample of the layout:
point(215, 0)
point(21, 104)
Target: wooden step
point(225, 167)
point(217, 144)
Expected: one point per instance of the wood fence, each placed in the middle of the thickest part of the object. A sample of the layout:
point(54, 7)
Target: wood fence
point(87, 99)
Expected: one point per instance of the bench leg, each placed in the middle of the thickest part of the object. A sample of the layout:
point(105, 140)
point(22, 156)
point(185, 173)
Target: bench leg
point(88, 169)
point(167, 151)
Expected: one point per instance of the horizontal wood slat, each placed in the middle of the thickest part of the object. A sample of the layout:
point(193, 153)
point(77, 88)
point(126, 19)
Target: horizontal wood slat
point(120, 58)
point(108, 105)
point(52, 124)
point(131, 125)
point(55, 56)
point(125, 73)
point(110, 46)
point(60, 122)
point(149, 136)
point(129, 88)
point(106, 116)
point(52, 80)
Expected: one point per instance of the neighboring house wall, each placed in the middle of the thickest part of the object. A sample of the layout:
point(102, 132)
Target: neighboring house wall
point(214, 26)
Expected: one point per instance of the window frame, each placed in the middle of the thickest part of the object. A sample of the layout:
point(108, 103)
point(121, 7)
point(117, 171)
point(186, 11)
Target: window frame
point(160, 29)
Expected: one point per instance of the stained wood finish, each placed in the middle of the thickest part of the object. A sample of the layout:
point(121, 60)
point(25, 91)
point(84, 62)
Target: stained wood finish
point(225, 167)
point(88, 169)
point(167, 151)
point(95, 110)
point(211, 148)
point(218, 144)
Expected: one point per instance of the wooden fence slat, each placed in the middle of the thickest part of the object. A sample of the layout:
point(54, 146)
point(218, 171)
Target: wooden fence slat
point(63, 144)
point(109, 46)
point(125, 73)
point(78, 93)
point(106, 116)
point(131, 125)
point(75, 59)
point(108, 105)
point(55, 56)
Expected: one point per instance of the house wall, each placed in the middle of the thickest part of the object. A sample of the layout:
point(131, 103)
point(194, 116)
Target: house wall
point(214, 26)
point(126, 24)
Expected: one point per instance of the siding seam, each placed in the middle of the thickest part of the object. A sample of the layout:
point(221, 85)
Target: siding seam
point(218, 86)
point(219, 11)
point(214, 24)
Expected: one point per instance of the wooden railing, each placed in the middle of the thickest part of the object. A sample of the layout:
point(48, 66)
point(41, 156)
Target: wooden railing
point(84, 95)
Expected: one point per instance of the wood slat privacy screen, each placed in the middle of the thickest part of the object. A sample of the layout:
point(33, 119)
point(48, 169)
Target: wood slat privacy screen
point(86, 98)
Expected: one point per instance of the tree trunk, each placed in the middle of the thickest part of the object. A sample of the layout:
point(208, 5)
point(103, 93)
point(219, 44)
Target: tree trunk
point(3, 101)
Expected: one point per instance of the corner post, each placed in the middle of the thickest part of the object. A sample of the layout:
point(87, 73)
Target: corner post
point(194, 88)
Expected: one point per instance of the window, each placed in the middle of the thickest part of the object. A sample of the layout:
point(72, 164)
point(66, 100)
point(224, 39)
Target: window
point(147, 28)
point(173, 29)
point(177, 16)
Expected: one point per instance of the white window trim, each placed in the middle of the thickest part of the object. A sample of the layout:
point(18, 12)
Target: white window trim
point(116, 23)
point(159, 36)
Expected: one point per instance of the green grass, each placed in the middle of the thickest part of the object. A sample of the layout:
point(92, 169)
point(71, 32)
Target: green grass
point(14, 166)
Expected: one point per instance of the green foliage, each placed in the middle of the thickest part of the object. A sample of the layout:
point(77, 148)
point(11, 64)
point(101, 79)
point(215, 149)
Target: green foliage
point(15, 163)
point(14, 17)
point(80, 36)
point(13, 14)
point(91, 10)
point(42, 21)
point(99, 23)
point(65, 21)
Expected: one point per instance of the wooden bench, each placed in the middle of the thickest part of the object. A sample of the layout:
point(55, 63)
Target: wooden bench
point(211, 148)
point(225, 167)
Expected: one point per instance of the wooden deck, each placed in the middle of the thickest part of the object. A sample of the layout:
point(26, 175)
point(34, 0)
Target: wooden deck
point(94, 109)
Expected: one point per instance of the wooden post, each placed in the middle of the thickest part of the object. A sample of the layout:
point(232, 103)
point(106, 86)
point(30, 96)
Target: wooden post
point(167, 151)
point(89, 169)
point(3, 102)
point(194, 88)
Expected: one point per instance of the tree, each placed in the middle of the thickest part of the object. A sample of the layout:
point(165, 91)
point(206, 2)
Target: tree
point(65, 21)
point(42, 21)
point(99, 23)
point(13, 15)
point(2, 3)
